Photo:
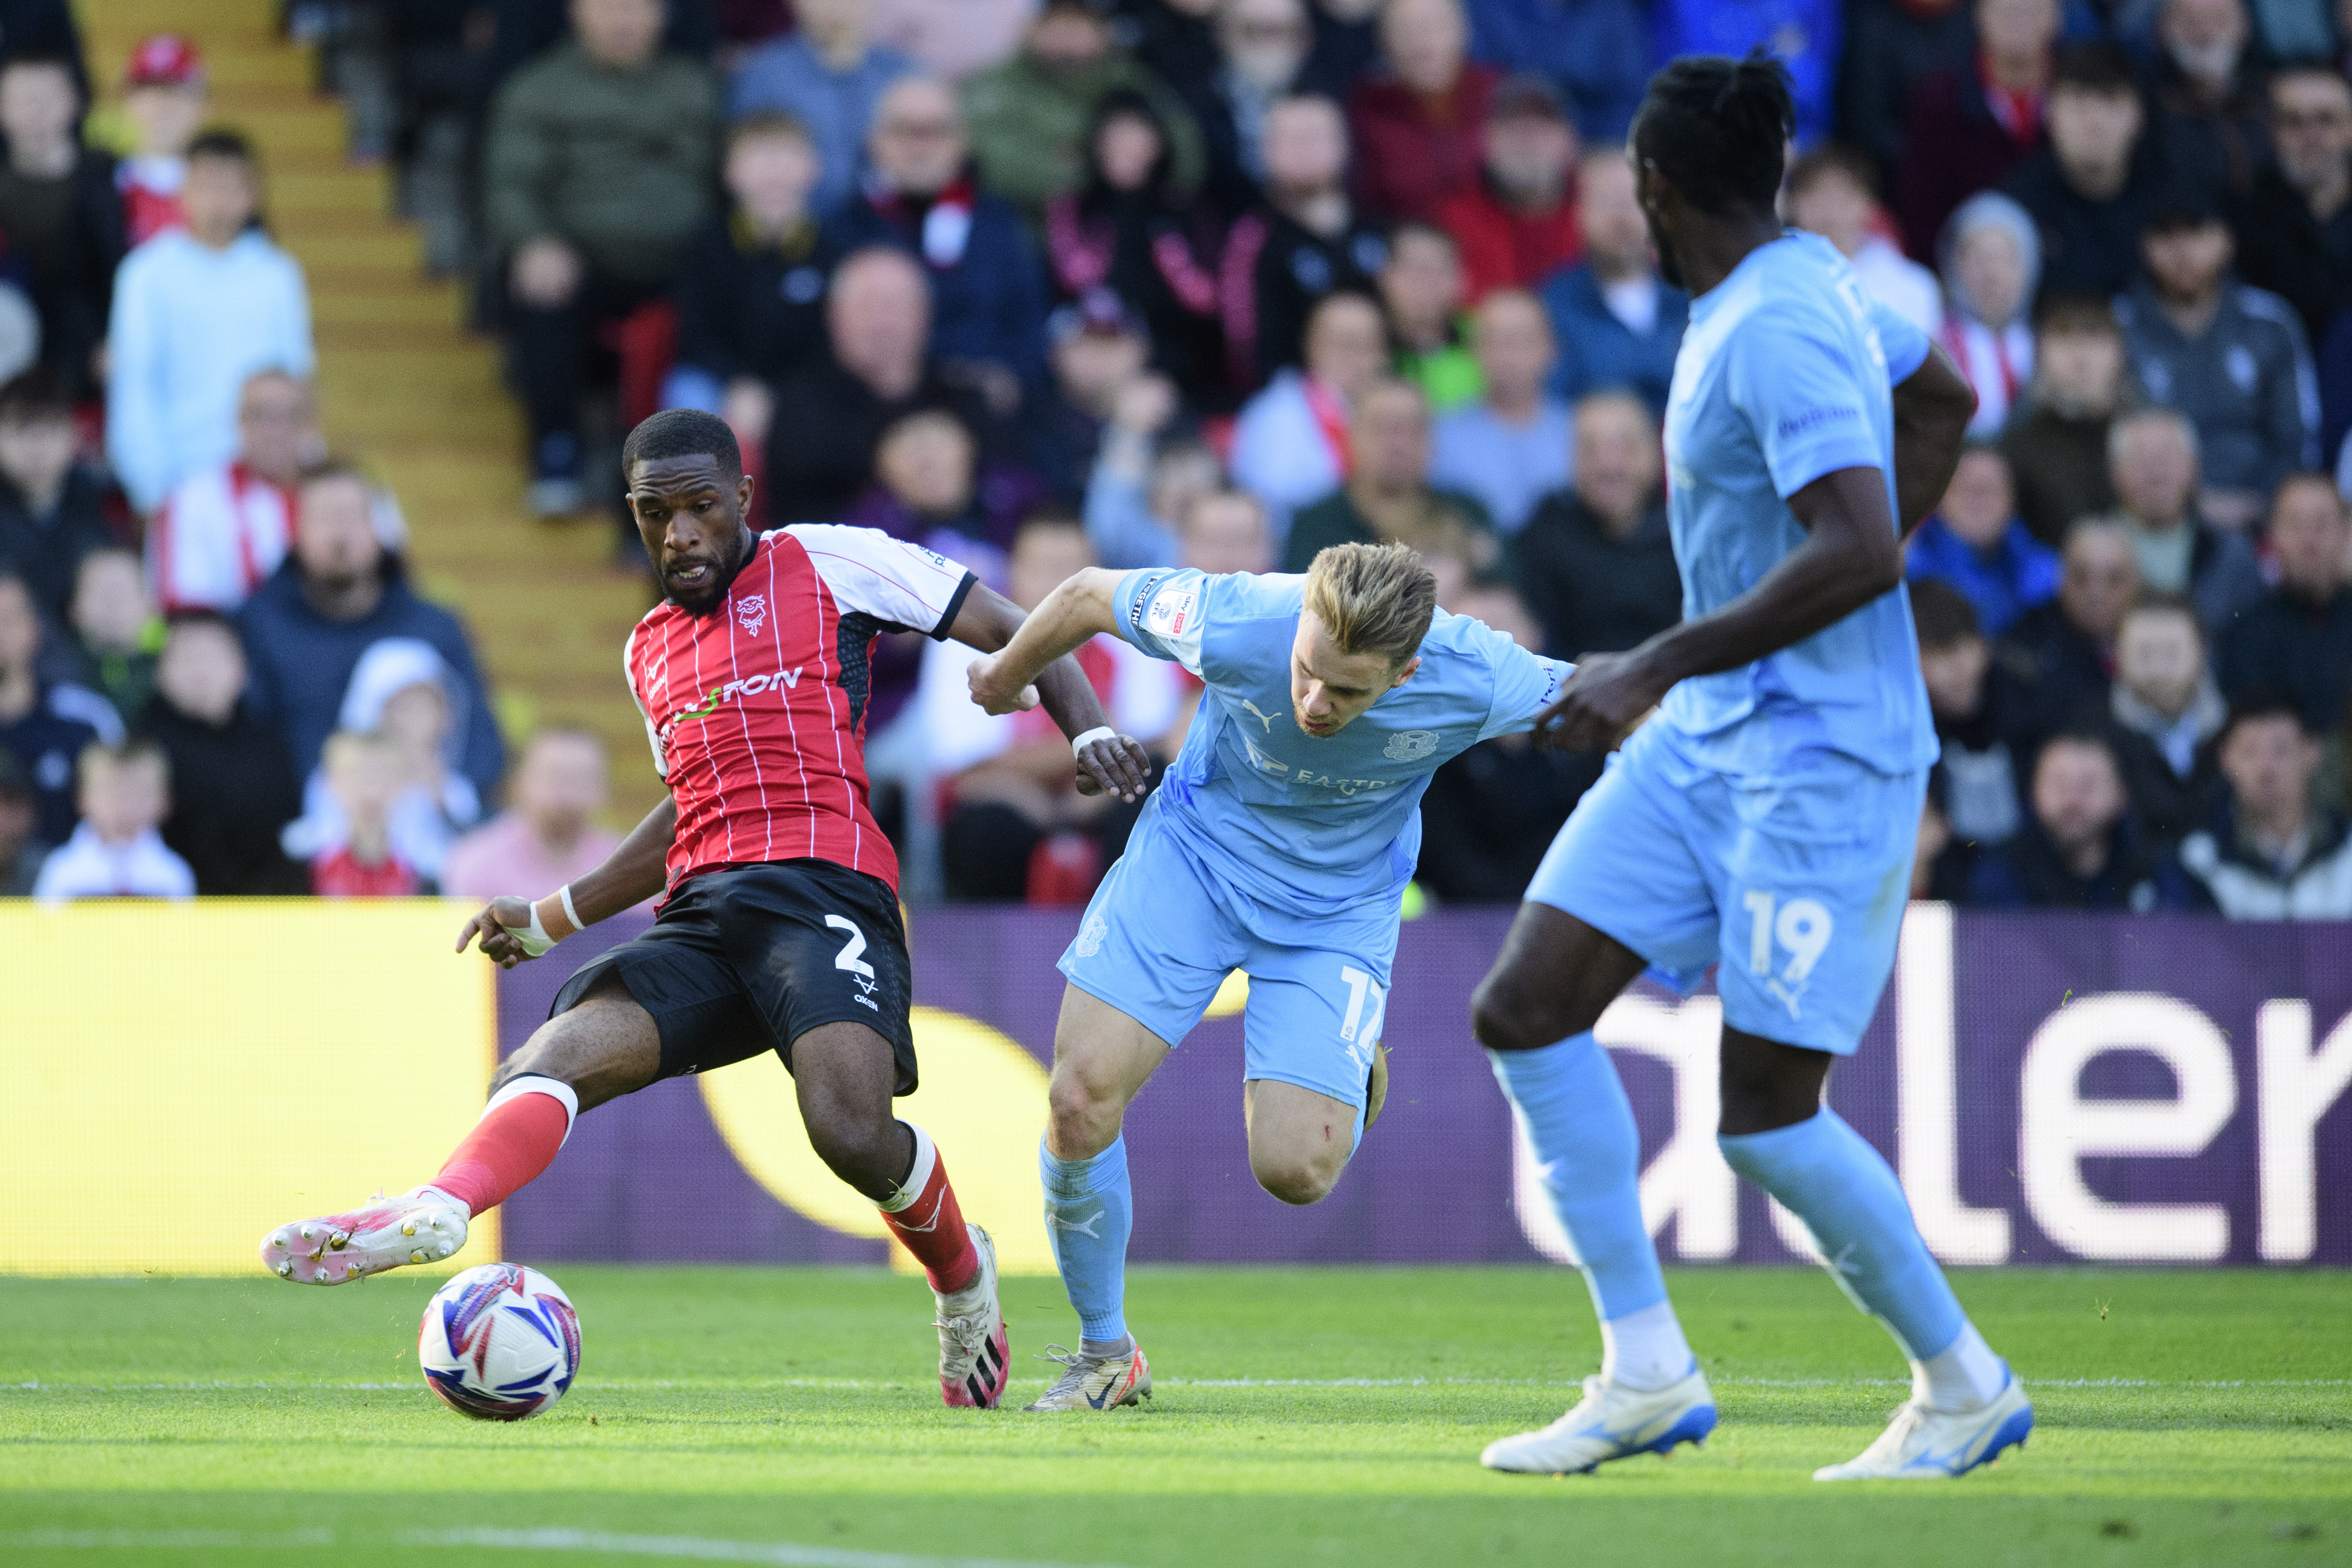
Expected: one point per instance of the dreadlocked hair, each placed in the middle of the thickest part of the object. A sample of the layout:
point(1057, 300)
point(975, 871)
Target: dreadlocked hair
point(1718, 128)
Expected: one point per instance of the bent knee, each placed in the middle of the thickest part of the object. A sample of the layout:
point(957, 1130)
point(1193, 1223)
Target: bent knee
point(1506, 1014)
point(1295, 1181)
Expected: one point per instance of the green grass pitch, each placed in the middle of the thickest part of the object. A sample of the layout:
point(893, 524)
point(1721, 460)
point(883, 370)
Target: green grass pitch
point(1303, 1416)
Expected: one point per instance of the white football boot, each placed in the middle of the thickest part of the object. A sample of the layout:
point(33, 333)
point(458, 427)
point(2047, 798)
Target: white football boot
point(1921, 1443)
point(973, 1347)
point(1610, 1422)
point(1095, 1383)
point(422, 1226)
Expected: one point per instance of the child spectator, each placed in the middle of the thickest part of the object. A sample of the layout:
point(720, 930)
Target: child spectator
point(364, 775)
point(1516, 226)
point(21, 853)
point(2296, 640)
point(1616, 323)
point(2056, 443)
point(116, 852)
point(1422, 286)
point(828, 74)
point(547, 834)
point(1991, 256)
point(1976, 717)
point(115, 631)
point(61, 213)
point(196, 311)
point(1291, 445)
point(1417, 120)
point(2167, 712)
point(2271, 853)
point(227, 527)
point(52, 509)
point(405, 693)
point(1975, 541)
point(1511, 447)
point(163, 97)
point(2077, 849)
point(1141, 487)
point(1597, 560)
point(1387, 497)
point(233, 787)
point(1832, 192)
point(1307, 242)
point(45, 724)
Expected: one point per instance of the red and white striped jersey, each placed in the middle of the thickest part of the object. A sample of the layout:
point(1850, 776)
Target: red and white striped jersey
point(757, 711)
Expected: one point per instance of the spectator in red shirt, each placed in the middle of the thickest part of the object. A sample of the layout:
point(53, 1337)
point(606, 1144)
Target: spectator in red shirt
point(1969, 126)
point(1517, 226)
point(1417, 124)
point(364, 773)
point(163, 95)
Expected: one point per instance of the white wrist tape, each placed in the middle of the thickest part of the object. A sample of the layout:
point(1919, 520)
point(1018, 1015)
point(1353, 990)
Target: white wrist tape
point(1099, 732)
point(533, 938)
point(570, 913)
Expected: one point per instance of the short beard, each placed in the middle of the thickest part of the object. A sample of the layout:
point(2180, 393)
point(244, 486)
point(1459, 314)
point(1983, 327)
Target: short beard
point(706, 601)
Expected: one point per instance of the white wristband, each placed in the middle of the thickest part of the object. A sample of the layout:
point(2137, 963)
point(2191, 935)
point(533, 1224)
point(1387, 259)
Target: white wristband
point(1099, 732)
point(570, 913)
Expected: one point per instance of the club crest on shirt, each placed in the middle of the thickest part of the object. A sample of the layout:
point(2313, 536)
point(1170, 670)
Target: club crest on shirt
point(1410, 745)
point(1090, 939)
point(751, 613)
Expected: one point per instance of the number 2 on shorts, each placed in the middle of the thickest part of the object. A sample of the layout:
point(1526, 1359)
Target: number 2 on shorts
point(848, 958)
point(1802, 925)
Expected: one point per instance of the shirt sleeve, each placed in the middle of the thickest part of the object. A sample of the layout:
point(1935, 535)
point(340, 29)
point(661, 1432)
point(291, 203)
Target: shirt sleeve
point(1162, 611)
point(1524, 684)
point(1804, 394)
point(898, 583)
point(1900, 339)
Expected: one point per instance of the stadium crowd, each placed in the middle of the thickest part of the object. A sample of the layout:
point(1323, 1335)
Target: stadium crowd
point(1042, 284)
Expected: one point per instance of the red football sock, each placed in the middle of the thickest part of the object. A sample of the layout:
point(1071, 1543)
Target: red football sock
point(517, 1138)
point(925, 1216)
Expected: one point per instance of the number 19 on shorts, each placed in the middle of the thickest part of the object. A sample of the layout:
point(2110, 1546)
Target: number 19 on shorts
point(1801, 927)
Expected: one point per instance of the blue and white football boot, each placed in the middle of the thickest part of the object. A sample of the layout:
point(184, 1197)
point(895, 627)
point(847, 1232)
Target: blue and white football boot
point(1921, 1443)
point(1610, 1422)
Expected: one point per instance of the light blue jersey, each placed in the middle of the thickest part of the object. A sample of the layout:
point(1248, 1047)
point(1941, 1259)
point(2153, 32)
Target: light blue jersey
point(1785, 375)
point(1267, 850)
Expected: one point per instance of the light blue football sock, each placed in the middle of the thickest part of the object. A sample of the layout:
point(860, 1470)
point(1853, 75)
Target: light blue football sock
point(1830, 1177)
point(1576, 1117)
point(1089, 1214)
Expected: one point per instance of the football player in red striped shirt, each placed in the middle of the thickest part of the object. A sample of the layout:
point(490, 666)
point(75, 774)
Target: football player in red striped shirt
point(779, 927)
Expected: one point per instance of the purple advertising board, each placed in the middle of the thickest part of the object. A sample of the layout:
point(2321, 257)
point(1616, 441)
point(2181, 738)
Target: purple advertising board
point(2050, 1088)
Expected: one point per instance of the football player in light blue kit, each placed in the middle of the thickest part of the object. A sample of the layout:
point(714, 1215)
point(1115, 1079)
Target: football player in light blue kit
point(1279, 843)
point(1764, 820)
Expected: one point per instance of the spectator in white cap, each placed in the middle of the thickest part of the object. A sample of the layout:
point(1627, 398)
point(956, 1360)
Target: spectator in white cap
point(1991, 257)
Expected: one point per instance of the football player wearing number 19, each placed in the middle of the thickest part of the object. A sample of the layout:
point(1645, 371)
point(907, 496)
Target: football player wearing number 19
point(1279, 844)
point(1767, 815)
point(778, 926)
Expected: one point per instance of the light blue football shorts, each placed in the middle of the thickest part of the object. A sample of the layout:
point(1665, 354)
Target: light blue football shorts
point(1796, 885)
point(1161, 935)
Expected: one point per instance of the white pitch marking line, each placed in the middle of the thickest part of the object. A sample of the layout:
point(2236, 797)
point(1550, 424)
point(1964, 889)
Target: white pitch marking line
point(780, 1554)
point(636, 1383)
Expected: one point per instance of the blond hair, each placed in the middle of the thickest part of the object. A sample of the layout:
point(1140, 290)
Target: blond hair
point(1372, 598)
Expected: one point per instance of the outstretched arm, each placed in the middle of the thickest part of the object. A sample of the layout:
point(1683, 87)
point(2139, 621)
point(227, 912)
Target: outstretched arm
point(511, 929)
point(1026, 663)
point(1932, 410)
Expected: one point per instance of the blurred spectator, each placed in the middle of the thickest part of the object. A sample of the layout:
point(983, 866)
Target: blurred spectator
point(339, 592)
point(2089, 188)
point(988, 295)
point(830, 416)
point(1029, 117)
point(1140, 490)
point(2231, 359)
point(1491, 812)
point(233, 787)
point(1893, 56)
point(1617, 325)
point(1597, 50)
point(2167, 712)
point(547, 834)
point(1221, 531)
point(1966, 127)
point(1098, 349)
point(829, 74)
point(1418, 121)
point(2063, 653)
point(1516, 224)
point(1016, 825)
point(2077, 849)
point(1131, 230)
point(927, 491)
point(1172, 38)
point(1262, 48)
point(1422, 286)
point(1979, 718)
point(1597, 561)
point(363, 775)
point(51, 507)
point(2270, 854)
point(226, 528)
point(597, 168)
point(45, 27)
point(163, 98)
point(951, 39)
point(1943, 867)
point(45, 724)
point(1976, 542)
point(441, 53)
point(1991, 256)
point(1830, 193)
point(2294, 226)
point(1291, 442)
point(2056, 441)
point(402, 692)
point(197, 310)
point(750, 285)
point(2295, 641)
point(2209, 94)
point(1511, 449)
point(1388, 498)
point(1305, 242)
point(116, 632)
point(116, 851)
point(2152, 461)
point(61, 213)
point(21, 853)
point(1804, 34)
